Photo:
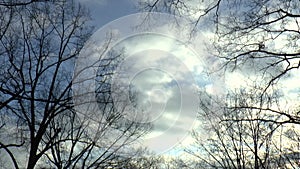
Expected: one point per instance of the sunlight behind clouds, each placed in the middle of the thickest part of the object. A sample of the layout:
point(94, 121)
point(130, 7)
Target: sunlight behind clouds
point(153, 72)
point(163, 72)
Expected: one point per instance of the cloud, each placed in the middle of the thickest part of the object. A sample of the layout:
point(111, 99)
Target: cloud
point(162, 72)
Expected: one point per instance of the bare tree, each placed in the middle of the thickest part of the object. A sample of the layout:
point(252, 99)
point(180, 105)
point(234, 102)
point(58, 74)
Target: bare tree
point(8, 3)
point(41, 39)
point(259, 39)
point(39, 126)
point(241, 137)
point(246, 32)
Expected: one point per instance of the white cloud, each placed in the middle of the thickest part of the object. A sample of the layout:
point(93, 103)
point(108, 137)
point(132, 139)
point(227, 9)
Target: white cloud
point(164, 71)
point(235, 80)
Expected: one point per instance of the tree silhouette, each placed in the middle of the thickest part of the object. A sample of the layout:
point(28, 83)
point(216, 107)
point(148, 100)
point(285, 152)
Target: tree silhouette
point(258, 39)
point(40, 126)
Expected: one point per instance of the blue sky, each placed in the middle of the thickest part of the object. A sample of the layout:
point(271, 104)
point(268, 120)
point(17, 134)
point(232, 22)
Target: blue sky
point(105, 11)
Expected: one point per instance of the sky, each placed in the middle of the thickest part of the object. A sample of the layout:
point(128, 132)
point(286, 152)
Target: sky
point(159, 66)
point(105, 11)
point(163, 70)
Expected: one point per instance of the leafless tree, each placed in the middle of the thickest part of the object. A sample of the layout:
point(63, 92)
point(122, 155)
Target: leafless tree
point(246, 30)
point(242, 137)
point(259, 39)
point(39, 127)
